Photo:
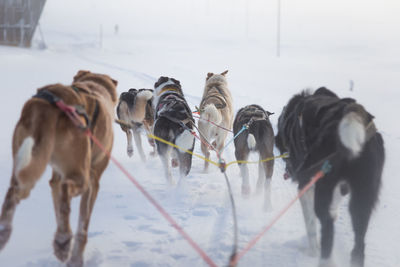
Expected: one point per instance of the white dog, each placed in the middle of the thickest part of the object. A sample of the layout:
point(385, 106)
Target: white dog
point(215, 107)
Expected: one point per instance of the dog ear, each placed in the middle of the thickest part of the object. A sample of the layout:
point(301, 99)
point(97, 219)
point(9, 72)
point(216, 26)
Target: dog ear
point(178, 83)
point(224, 73)
point(80, 74)
point(270, 113)
point(115, 82)
point(132, 90)
point(209, 75)
point(160, 81)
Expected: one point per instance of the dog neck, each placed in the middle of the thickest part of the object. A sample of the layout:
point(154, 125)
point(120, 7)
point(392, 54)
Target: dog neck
point(165, 89)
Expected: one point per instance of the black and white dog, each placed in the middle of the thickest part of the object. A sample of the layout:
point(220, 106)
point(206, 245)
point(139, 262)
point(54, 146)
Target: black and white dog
point(320, 127)
point(259, 137)
point(173, 123)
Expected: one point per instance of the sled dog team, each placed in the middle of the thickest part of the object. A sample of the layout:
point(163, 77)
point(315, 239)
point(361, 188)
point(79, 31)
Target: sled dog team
point(314, 128)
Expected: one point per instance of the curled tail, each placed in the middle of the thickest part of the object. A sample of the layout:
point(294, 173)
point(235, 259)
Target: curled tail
point(251, 141)
point(139, 110)
point(211, 113)
point(352, 133)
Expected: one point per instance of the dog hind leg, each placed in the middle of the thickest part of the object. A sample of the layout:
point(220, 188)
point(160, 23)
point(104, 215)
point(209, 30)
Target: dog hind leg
point(185, 163)
point(361, 205)
point(206, 152)
point(322, 203)
point(265, 172)
point(151, 141)
point(61, 201)
point(86, 207)
point(30, 159)
point(129, 148)
point(138, 142)
point(242, 153)
point(310, 220)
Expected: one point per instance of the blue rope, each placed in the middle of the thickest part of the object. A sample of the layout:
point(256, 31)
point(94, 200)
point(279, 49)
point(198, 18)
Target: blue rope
point(326, 167)
point(244, 128)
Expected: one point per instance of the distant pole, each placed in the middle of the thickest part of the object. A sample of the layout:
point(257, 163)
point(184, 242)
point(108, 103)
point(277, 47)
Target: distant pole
point(278, 30)
point(101, 36)
point(43, 43)
point(247, 18)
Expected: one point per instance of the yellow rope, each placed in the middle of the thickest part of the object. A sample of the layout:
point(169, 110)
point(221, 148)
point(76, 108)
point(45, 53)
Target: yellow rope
point(285, 155)
point(187, 151)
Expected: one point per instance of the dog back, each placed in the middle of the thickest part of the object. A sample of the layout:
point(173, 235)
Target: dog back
point(308, 130)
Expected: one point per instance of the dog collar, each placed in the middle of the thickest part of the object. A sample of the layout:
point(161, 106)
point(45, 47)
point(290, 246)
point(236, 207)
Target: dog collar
point(166, 89)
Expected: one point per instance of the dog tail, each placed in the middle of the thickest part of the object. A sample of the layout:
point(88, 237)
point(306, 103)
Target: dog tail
point(24, 154)
point(211, 113)
point(251, 141)
point(34, 140)
point(139, 110)
point(352, 133)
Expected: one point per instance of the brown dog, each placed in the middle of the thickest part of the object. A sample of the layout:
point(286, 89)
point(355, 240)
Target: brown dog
point(45, 135)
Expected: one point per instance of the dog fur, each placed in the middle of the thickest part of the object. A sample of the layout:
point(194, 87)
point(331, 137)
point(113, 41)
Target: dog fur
point(173, 123)
point(215, 106)
point(259, 137)
point(321, 126)
point(45, 135)
point(135, 108)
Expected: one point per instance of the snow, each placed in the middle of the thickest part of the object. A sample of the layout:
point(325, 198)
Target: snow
point(335, 44)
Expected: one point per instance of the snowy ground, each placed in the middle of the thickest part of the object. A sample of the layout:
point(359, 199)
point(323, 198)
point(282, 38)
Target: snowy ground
point(323, 44)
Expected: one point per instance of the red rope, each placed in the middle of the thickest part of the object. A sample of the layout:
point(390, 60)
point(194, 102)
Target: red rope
point(198, 117)
point(71, 112)
point(153, 201)
point(315, 178)
point(205, 141)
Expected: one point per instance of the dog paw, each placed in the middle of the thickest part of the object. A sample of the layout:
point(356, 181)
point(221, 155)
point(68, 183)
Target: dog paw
point(5, 233)
point(246, 191)
point(130, 151)
point(174, 163)
point(327, 263)
point(61, 245)
point(313, 251)
point(259, 190)
point(75, 263)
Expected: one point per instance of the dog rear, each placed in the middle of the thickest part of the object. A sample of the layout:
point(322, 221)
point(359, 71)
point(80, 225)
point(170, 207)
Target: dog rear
point(320, 127)
point(173, 123)
point(135, 108)
point(216, 113)
point(45, 135)
point(259, 138)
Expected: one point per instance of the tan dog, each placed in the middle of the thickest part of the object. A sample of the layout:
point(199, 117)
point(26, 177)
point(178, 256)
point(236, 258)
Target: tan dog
point(215, 106)
point(135, 108)
point(45, 135)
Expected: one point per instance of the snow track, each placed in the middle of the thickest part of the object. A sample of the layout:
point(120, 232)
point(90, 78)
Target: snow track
point(125, 229)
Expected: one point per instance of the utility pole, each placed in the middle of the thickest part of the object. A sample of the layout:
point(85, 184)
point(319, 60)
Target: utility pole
point(278, 30)
point(247, 19)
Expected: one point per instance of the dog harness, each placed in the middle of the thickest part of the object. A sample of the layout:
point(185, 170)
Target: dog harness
point(174, 108)
point(57, 101)
point(252, 113)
